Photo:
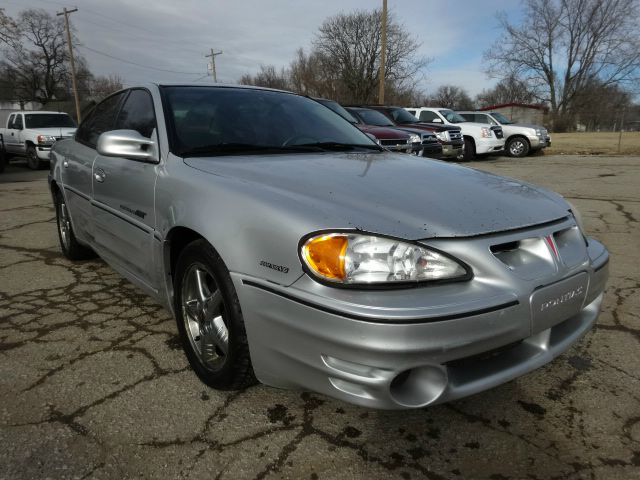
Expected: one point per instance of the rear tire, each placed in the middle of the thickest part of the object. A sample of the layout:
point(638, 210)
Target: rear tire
point(33, 162)
point(69, 245)
point(469, 149)
point(210, 320)
point(518, 147)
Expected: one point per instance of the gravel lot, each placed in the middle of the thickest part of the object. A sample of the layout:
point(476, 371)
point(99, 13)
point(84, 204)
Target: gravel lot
point(93, 383)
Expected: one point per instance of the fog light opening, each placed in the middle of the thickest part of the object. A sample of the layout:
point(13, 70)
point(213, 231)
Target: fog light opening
point(419, 386)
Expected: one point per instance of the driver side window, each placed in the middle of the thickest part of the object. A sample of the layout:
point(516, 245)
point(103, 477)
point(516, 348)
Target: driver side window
point(100, 120)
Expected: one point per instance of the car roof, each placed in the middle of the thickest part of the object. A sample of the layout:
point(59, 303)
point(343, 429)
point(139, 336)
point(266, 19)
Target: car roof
point(37, 112)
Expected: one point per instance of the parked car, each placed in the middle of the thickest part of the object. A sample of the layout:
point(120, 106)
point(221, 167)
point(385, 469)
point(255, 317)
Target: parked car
point(428, 146)
point(31, 134)
point(394, 139)
point(449, 137)
point(520, 138)
point(479, 140)
point(294, 249)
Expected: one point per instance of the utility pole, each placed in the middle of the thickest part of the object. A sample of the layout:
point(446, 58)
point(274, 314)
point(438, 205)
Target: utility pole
point(73, 63)
point(383, 53)
point(213, 63)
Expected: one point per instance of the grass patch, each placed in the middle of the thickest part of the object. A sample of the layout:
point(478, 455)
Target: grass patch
point(594, 143)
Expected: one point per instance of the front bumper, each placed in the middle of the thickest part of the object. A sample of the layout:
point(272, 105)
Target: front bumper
point(414, 347)
point(43, 151)
point(538, 143)
point(489, 145)
point(452, 150)
point(432, 150)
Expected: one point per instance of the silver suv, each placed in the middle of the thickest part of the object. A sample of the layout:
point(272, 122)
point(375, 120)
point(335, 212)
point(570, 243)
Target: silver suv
point(521, 138)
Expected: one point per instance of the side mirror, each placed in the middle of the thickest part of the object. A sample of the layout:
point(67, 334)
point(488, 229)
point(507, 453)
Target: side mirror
point(127, 144)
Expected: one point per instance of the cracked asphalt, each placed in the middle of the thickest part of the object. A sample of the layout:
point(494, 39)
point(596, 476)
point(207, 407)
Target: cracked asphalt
point(93, 383)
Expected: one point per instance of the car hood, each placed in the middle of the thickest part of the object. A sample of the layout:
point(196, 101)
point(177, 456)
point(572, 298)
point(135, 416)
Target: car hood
point(526, 125)
point(56, 131)
point(383, 133)
point(392, 194)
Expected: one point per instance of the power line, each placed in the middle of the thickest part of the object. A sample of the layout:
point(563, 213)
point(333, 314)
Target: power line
point(134, 63)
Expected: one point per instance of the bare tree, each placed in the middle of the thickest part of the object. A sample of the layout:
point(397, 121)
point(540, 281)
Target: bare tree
point(8, 28)
point(451, 96)
point(269, 77)
point(508, 90)
point(348, 48)
point(103, 86)
point(37, 59)
point(563, 44)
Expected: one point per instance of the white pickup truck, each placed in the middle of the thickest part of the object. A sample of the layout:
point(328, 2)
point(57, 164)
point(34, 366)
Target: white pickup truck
point(479, 139)
point(32, 134)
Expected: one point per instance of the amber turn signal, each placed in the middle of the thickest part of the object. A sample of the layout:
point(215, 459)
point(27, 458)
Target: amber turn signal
point(325, 254)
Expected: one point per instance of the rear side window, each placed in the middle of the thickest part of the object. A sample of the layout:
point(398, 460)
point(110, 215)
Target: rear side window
point(10, 121)
point(137, 113)
point(100, 120)
point(428, 116)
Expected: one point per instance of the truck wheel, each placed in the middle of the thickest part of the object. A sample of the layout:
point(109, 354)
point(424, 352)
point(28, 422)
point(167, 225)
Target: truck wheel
point(33, 162)
point(69, 245)
point(209, 319)
point(518, 147)
point(469, 149)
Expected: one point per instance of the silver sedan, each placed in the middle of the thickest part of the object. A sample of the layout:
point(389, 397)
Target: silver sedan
point(294, 250)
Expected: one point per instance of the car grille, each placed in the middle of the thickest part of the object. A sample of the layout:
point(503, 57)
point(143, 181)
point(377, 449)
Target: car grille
point(455, 134)
point(392, 142)
point(533, 257)
point(498, 132)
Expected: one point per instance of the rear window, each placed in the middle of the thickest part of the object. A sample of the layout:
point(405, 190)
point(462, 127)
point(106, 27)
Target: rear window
point(48, 120)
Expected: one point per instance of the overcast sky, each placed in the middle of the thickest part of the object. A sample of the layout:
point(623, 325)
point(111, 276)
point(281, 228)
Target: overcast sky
point(174, 35)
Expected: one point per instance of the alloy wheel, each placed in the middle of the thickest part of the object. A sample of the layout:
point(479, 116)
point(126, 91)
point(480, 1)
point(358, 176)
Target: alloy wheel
point(203, 313)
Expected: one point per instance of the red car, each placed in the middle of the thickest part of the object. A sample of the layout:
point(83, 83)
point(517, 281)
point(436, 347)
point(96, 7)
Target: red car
point(395, 139)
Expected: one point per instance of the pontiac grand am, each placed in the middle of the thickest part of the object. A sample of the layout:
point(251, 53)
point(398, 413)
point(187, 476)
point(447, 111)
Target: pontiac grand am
point(294, 250)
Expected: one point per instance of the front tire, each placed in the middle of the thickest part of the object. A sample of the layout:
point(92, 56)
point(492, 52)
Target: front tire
point(210, 320)
point(33, 162)
point(469, 149)
point(69, 245)
point(518, 147)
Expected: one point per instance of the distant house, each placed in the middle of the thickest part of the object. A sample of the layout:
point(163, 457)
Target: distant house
point(522, 112)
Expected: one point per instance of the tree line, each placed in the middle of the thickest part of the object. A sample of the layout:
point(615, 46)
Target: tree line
point(578, 58)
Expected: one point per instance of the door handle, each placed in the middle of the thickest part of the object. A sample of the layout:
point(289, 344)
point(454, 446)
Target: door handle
point(99, 175)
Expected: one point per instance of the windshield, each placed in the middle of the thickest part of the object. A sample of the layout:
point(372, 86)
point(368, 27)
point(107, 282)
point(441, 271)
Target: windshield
point(452, 117)
point(226, 121)
point(501, 118)
point(339, 109)
point(400, 115)
point(372, 117)
point(48, 120)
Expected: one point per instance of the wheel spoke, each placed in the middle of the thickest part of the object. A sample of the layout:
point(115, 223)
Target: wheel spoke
point(201, 285)
point(212, 305)
point(215, 333)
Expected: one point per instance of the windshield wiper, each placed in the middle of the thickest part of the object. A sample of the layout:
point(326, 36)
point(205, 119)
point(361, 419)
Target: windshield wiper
point(231, 148)
point(338, 146)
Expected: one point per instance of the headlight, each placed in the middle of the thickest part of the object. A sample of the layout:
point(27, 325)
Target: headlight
point(361, 259)
point(415, 139)
point(578, 216)
point(46, 139)
point(485, 132)
point(443, 136)
point(538, 132)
